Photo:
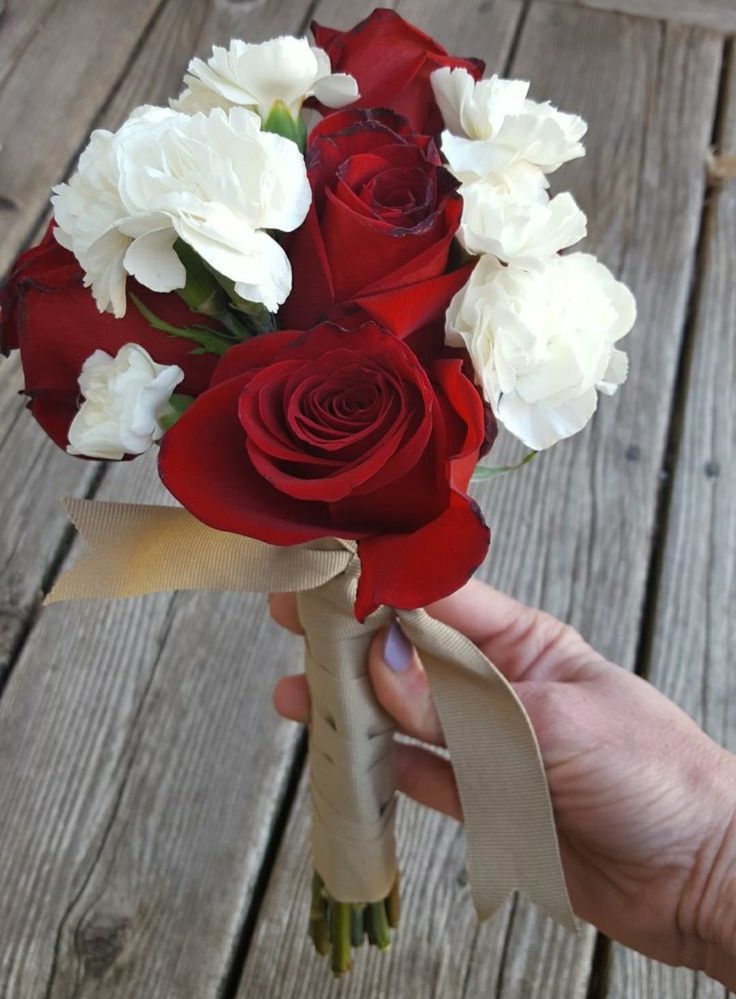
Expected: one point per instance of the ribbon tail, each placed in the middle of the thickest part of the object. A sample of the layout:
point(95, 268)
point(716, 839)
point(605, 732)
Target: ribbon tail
point(137, 549)
point(511, 837)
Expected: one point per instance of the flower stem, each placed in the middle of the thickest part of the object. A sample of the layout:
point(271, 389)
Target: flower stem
point(357, 925)
point(338, 927)
point(377, 922)
point(341, 948)
point(318, 928)
point(393, 905)
point(208, 340)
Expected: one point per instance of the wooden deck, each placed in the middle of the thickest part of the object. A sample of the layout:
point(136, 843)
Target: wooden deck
point(153, 830)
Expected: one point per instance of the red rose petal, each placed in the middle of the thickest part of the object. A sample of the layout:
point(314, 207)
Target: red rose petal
point(204, 464)
point(406, 309)
point(392, 62)
point(412, 570)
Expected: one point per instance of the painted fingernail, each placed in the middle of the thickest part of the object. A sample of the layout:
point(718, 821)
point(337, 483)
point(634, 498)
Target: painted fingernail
point(397, 649)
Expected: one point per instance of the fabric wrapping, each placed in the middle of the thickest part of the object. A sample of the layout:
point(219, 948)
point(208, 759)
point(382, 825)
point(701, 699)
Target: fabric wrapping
point(511, 838)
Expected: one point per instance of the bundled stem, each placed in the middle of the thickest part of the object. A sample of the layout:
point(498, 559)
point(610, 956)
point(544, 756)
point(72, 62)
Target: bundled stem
point(337, 928)
point(355, 891)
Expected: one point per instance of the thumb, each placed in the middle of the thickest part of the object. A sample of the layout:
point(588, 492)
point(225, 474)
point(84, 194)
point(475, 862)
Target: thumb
point(401, 685)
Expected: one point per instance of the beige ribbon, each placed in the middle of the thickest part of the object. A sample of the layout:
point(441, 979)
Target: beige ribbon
point(511, 838)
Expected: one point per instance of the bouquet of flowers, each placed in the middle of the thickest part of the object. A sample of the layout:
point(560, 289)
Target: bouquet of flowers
point(321, 327)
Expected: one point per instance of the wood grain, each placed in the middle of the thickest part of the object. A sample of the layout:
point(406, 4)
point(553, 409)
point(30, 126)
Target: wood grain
point(637, 84)
point(140, 769)
point(719, 15)
point(694, 632)
point(35, 473)
point(650, 95)
point(140, 764)
point(19, 21)
point(47, 101)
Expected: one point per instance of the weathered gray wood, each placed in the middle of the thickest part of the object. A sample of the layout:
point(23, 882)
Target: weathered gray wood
point(140, 764)
point(650, 97)
point(694, 633)
point(34, 474)
point(140, 768)
point(76, 56)
point(717, 14)
point(19, 21)
point(639, 86)
point(48, 99)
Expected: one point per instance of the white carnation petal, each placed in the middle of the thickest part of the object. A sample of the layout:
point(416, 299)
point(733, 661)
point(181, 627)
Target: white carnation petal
point(452, 89)
point(336, 90)
point(152, 260)
point(258, 76)
point(123, 399)
point(217, 176)
point(542, 341)
point(153, 402)
point(470, 159)
point(274, 291)
point(616, 373)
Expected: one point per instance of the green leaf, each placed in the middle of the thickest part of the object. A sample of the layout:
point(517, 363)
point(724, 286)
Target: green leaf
point(208, 339)
point(483, 472)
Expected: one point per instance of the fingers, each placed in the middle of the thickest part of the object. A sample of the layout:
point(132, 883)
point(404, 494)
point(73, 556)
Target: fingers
point(482, 613)
point(523, 642)
point(283, 610)
point(428, 779)
point(291, 698)
point(401, 686)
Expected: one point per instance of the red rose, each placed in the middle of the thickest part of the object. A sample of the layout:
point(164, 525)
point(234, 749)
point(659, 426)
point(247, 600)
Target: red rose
point(378, 234)
point(336, 433)
point(392, 62)
point(47, 312)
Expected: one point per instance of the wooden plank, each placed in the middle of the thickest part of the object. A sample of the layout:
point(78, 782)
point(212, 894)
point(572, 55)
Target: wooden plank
point(140, 765)
point(47, 101)
point(720, 15)
point(35, 473)
point(140, 769)
point(639, 85)
point(694, 628)
point(649, 94)
point(19, 21)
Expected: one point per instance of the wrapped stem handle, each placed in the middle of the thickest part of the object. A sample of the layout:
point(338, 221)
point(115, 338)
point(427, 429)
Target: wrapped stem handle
point(351, 748)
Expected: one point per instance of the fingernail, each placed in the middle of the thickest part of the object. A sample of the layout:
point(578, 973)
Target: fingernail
point(397, 649)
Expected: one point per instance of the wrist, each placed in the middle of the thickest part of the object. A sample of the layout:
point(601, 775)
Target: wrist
point(709, 904)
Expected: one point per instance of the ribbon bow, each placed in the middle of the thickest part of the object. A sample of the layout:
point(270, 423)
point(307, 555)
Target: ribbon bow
point(511, 839)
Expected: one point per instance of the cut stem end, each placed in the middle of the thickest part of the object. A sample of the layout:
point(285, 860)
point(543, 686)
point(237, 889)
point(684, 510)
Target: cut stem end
point(337, 928)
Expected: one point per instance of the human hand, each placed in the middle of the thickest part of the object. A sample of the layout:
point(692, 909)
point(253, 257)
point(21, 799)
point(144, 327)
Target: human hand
point(643, 799)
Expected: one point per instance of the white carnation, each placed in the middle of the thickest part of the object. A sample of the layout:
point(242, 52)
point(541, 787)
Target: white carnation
point(257, 76)
point(492, 124)
point(215, 181)
point(542, 341)
point(124, 398)
point(496, 219)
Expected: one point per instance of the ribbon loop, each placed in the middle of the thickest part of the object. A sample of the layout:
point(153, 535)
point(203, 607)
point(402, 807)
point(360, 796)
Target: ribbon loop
point(509, 824)
point(512, 843)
